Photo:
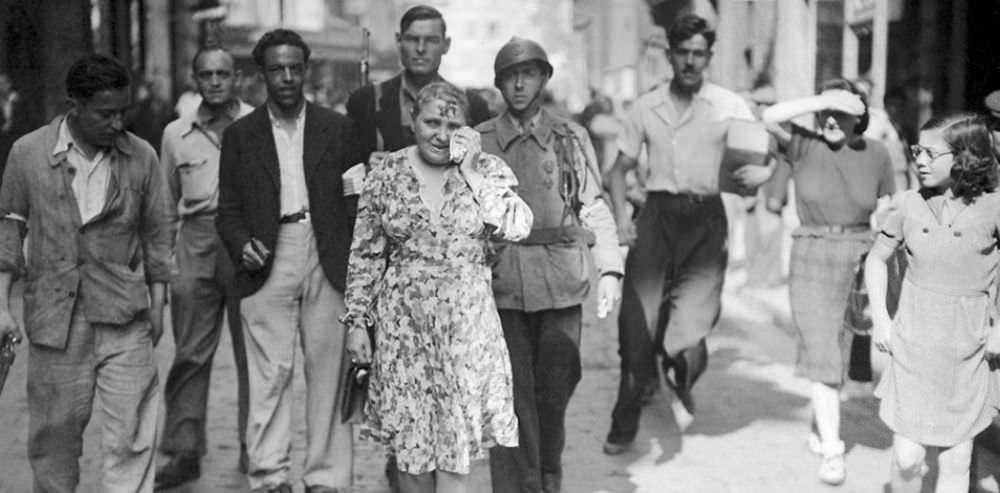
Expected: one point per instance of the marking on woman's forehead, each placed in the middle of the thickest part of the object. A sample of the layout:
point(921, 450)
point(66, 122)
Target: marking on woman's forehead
point(447, 108)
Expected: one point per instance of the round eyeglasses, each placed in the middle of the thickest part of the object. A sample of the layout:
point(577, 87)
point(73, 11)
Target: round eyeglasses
point(917, 150)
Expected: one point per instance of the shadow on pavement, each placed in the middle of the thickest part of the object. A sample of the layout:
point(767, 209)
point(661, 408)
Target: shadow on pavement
point(730, 397)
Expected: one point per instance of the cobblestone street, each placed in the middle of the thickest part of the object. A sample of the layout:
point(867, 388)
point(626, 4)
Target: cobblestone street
point(748, 436)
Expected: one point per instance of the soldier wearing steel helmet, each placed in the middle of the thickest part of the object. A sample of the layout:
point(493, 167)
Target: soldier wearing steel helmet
point(541, 313)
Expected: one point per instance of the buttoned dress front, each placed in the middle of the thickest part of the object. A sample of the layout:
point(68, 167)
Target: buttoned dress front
point(938, 389)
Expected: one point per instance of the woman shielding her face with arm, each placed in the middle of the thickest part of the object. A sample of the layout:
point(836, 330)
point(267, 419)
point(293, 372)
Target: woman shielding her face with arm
point(839, 176)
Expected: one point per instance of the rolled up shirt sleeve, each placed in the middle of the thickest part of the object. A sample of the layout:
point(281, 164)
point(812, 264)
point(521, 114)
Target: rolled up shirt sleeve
point(633, 134)
point(168, 164)
point(14, 206)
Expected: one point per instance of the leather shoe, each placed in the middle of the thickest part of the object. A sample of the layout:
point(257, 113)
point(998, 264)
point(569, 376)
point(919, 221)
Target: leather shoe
point(321, 489)
point(244, 463)
point(180, 469)
point(281, 488)
point(551, 482)
point(392, 473)
point(611, 448)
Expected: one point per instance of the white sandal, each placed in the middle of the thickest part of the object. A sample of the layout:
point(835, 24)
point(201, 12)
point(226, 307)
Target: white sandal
point(832, 469)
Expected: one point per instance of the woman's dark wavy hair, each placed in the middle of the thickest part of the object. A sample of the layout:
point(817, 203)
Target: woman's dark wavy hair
point(851, 87)
point(970, 141)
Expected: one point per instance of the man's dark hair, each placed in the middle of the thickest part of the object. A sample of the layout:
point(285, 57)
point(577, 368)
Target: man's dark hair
point(209, 49)
point(94, 73)
point(422, 13)
point(687, 27)
point(278, 37)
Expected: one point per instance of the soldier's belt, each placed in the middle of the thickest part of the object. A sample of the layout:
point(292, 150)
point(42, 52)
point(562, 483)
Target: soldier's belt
point(560, 234)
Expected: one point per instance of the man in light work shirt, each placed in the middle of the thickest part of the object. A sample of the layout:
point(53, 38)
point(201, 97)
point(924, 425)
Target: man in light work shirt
point(92, 198)
point(675, 268)
point(201, 290)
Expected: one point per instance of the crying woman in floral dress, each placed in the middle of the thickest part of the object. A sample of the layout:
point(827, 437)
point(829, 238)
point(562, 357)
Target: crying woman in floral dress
point(440, 393)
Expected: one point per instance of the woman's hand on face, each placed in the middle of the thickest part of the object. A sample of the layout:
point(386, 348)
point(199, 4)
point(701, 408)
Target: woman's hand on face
point(467, 145)
point(359, 346)
point(843, 101)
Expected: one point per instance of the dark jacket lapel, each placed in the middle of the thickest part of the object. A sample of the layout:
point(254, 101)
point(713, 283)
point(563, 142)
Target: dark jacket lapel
point(267, 154)
point(387, 117)
point(315, 141)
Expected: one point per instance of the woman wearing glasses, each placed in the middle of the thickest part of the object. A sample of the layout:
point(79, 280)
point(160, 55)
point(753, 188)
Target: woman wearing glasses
point(839, 176)
point(938, 390)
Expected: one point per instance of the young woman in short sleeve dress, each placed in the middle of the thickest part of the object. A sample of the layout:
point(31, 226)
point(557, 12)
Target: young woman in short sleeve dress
point(938, 390)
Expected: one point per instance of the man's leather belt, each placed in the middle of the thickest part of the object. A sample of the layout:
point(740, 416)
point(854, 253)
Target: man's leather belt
point(295, 217)
point(560, 234)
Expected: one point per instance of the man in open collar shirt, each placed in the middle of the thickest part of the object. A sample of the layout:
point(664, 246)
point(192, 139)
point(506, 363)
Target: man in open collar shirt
point(202, 288)
point(677, 261)
point(285, 222)
point(92, 198)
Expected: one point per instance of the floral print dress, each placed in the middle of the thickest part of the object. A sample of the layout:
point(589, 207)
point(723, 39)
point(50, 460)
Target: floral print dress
point(440, 392)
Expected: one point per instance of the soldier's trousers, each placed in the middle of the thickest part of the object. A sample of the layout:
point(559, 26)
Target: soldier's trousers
point(199, 295)
point(544, 351)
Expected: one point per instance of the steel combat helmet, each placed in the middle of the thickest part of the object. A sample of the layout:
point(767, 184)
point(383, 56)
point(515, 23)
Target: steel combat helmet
point(519, 50)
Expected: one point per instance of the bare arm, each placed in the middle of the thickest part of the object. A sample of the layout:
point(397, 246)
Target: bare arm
point(787, 111)
point(876, 279)
point(7, 323)
point(616, 189)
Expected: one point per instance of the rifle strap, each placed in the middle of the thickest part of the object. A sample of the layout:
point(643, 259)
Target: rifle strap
point(379, 141)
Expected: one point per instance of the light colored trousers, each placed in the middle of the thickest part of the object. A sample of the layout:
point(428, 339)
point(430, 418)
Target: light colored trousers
point(118, 364)
point(297, 304)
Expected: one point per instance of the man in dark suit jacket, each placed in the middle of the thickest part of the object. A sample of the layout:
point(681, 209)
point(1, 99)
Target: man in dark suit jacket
point(382, 112)
point(284, 221)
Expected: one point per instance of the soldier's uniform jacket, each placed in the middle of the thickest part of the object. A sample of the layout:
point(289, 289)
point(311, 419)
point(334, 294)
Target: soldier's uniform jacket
point(558, 177)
